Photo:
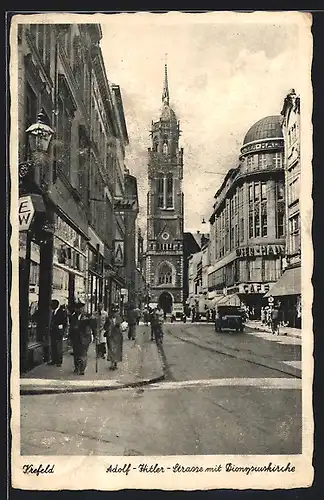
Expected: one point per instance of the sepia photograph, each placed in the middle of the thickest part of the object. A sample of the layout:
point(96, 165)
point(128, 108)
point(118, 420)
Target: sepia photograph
point(161, 211)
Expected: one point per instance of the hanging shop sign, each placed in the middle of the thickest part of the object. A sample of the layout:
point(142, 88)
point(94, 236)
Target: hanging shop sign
point(119, 253)
point(248, 288)
point(257, 250)
point(124, 294)
point(25, 213)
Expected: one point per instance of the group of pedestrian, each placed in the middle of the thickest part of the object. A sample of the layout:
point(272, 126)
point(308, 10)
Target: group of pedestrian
point(102, 327)
point(270, 316)
point(156, 319)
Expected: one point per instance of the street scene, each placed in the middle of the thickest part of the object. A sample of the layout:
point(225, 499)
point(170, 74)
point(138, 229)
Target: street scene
point(160, 250)
point(221, 394)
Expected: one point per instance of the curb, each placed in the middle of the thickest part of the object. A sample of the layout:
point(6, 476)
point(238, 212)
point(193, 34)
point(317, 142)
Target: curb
point(89, 388)
point(287, 334)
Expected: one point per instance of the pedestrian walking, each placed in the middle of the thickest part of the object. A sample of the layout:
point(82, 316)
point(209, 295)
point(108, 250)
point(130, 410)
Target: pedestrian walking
point(275, 320)
point(146, 316)
point(80, 334)
point(263, 315)
point(114, 338)
point(100, 317)
point(58, 326)
point(159, 321)
point(132, 317)
point(152, 319)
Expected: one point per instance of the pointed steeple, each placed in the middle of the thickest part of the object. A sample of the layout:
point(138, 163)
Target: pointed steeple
point(165, 93)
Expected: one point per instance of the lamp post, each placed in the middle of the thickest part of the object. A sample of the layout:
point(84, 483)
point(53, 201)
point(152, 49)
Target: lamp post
point(39, 136)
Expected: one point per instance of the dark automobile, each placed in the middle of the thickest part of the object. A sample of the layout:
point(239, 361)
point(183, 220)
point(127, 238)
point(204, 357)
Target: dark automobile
point(230, 317)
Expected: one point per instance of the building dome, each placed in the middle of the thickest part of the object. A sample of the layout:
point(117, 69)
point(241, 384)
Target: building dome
point(266, 128)
point(168, 114)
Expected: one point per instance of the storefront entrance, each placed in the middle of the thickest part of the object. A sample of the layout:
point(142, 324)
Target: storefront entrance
point(165, 301)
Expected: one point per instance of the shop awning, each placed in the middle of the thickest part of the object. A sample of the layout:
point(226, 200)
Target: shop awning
point(289, 283)
point(230, 300)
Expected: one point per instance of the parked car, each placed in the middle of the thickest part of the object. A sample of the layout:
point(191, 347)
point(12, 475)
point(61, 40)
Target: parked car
point(229, 317)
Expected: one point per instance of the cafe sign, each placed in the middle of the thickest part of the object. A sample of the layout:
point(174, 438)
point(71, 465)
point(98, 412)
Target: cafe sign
point(249, 288)
point(257, 250)
point(25, 213)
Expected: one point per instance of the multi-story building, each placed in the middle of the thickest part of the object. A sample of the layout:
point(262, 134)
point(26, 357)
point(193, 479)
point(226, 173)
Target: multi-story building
point(164, 257)
point(190, 246)
point(288, 287)
point(247, 230)
point(67, 251)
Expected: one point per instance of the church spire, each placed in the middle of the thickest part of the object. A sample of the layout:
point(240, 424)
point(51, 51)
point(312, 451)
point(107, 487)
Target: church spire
point(165, 93)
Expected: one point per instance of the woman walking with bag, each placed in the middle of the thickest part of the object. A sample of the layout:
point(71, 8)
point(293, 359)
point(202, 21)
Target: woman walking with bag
point(114, 338)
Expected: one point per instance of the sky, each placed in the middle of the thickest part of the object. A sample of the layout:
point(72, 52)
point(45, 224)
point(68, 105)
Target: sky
point(223, 77)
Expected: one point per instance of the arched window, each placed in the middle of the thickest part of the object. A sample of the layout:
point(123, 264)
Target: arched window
point(165, 148)
point(165, 274)
point(155, 144)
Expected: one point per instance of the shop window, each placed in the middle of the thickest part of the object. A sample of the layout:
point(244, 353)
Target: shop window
point(271, 269)
point(255, 269)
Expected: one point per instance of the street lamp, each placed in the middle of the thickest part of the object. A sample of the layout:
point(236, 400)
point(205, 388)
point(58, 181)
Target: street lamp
point(40, 134)
point(39, 137)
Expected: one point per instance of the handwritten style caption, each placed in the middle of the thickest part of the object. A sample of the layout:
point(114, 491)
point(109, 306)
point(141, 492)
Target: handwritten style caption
point(178, 468)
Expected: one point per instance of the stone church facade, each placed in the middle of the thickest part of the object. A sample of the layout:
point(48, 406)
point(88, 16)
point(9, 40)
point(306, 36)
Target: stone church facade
point(164, 262)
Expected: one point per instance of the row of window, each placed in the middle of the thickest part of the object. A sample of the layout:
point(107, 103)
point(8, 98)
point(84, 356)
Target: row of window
point(229, 227)
point(259, 269)
point(263, 161)
point(165, 246)
point(71, 42)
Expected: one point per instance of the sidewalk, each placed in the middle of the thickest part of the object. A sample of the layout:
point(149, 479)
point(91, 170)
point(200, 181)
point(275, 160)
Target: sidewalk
point(283, 330)
point(141, 365)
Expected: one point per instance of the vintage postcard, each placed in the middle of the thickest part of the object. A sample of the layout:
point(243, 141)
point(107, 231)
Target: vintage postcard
point(161, 176)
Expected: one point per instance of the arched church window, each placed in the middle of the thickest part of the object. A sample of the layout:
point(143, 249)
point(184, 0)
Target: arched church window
point(155, 145)
point(169, 192)
point(165, 148)
point(165, 274)
point(160, 192)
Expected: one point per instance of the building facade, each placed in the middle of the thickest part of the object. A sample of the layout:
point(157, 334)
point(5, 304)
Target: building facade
point(288, 288)
point(190, 246)
point(67, 252)
point(247, 232)
point(164, 254)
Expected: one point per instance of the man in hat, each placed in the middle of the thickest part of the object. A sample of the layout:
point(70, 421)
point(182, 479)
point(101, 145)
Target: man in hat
point(58, 325)
point(80, 334)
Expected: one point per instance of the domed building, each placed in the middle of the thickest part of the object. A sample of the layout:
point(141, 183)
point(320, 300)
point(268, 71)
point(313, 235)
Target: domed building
point(248, 220)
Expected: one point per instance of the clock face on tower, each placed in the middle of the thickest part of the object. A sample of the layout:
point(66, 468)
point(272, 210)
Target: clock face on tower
point(165, 235)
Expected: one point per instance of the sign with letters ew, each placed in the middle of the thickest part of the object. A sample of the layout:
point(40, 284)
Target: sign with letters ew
point(25, 213)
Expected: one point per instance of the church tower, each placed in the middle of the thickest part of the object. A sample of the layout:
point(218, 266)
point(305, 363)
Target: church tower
point(164, 262)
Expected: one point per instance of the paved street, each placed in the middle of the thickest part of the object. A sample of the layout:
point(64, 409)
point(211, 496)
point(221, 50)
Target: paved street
point(223, 393)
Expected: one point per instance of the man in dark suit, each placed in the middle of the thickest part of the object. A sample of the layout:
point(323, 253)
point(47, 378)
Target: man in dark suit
point(59, 321)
